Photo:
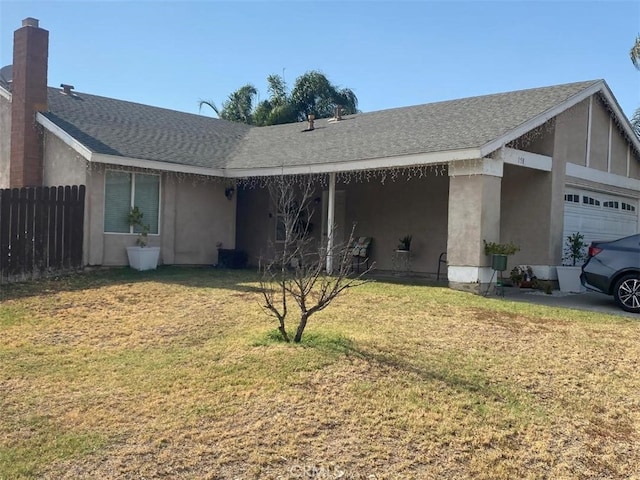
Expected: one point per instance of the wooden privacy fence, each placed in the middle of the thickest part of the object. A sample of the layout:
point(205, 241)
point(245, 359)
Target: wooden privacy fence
point(41, 231)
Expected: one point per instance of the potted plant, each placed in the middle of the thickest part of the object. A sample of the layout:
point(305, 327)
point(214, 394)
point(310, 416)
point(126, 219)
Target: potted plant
point(141, 256)
point(405, 243)
point(522, 276)
point(516, 276)
point(499, 253)
point(569, 272)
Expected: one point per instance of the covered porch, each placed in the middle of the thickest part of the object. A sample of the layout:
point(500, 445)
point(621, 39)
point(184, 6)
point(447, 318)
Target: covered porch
point(447, 208)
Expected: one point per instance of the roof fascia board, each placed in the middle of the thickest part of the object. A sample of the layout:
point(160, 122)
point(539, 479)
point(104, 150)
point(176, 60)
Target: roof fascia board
point(5, 93)
point(529, 125)
point(599, 176)
point(493, 167)
point(64, 136)
point(155, 165)
point(622, 118)
point(357, 165)
point(122, 161)
point(526, 159)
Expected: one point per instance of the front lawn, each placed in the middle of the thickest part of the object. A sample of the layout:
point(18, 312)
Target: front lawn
point(178, 374)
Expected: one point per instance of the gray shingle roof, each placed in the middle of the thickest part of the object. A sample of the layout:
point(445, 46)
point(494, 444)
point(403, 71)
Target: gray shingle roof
point(434, 127)
point(116, 127)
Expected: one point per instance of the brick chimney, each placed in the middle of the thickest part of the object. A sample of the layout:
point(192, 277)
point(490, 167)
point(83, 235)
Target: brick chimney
point(28, 96)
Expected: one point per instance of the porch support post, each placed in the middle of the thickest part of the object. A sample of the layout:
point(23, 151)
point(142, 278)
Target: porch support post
point(331, 204)
point(474, 216)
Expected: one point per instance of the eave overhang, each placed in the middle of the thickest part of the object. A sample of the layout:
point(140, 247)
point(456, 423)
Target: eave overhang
point(399, 161)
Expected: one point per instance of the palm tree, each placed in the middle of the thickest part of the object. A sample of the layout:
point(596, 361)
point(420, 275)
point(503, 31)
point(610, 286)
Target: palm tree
point(278, 108)
point(238, 107)
point(635, 122)
point(312, 93)
point(634, 53)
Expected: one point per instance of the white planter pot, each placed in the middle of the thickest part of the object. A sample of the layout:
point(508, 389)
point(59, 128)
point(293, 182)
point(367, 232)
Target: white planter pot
point(143, 258)
point(569, 279)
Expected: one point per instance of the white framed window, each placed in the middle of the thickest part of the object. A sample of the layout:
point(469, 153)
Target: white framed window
point(299, 217)
point(125, 190)
point(628, 207)
point(590, 201)
point(570, 197)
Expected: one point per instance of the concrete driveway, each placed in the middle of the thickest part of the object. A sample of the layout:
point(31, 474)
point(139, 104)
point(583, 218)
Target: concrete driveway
point(590, 301)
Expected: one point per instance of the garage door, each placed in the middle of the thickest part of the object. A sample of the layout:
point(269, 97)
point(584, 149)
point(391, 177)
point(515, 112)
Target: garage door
point(599, 216)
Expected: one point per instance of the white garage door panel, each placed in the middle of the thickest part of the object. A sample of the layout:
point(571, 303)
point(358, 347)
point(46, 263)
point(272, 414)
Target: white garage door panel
point(599, 216)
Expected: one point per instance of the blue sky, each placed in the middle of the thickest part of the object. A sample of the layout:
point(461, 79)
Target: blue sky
point(391, 53)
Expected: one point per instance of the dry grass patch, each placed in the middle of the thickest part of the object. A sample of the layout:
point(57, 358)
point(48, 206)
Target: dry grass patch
point(178, 374)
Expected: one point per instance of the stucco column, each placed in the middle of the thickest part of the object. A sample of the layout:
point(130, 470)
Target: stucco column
point(474, 216)
point(331, 221)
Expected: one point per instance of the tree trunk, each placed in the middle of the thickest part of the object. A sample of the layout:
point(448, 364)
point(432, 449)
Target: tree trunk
point(283, 332)
point(301, 326)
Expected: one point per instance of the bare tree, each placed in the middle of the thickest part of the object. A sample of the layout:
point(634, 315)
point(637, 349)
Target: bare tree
point(297, 272)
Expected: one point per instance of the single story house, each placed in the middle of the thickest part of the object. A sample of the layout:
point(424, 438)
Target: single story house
point(527, 167)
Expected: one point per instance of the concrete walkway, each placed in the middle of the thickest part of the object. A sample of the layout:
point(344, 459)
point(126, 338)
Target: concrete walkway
point(590, 301)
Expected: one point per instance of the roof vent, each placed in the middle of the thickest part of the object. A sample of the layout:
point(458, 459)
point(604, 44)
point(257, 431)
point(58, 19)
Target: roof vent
point(66, 89)
point(338, 112)
point(311, 117)
point(30, 22)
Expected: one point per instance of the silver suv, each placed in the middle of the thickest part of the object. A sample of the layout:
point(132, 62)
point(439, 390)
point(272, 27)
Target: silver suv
point(613, 268)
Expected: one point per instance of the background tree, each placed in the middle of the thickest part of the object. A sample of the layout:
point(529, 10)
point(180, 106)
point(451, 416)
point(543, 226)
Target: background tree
point(278, 108)
point(297, 272)
point(634, 54)
point(238, 107)
point(312, 93)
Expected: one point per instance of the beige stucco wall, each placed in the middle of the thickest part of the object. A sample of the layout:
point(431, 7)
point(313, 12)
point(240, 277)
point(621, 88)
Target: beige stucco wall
point(526, 205)
point(540, 140)
point(256, 223)
point(634, 166)
point(5, 140)
point(541, 194)
point(571, 140)
point(94, 220)
point(62, 165)
point(474, 216)
point(194, 216)
point(599, 136)
point(203, 216)
point(619, 147)
point(533, 201)
point(385, 212)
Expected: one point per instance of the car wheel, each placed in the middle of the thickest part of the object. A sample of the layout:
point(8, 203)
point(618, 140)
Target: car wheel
point(627, 293)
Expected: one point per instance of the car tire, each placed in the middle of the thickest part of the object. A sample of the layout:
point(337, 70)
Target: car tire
point(627, 293)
